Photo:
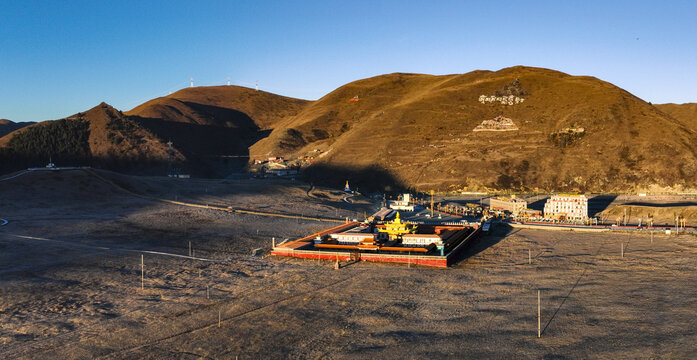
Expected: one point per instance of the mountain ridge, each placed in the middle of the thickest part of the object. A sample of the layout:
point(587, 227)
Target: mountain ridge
point(536, 129)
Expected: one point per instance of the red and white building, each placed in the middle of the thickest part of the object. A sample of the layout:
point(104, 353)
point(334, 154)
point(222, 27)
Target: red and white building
point(569, 207)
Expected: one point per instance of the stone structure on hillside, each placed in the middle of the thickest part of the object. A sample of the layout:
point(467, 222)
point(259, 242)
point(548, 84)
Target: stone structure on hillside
point(509, 94)
point(504, 100)
point(499, 123)
point(514, 88)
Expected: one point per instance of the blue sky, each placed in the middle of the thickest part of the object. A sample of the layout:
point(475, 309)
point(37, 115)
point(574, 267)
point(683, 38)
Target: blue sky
point(61, 57)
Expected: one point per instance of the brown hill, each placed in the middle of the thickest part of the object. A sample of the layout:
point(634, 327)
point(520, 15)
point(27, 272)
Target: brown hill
point(7, 126)
point(115, 136)
point(227, 106)
point(686, 113)
point(576, 133)
point(101, 136)
point(214, 126)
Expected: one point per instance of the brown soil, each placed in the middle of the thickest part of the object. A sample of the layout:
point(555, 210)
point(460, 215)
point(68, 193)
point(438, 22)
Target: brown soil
point(687, 113)
point(660, 214)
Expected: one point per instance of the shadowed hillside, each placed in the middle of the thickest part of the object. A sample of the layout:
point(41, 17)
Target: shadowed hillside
point(518, 128)
point(573, 133)
point(211, 105)
point(7, 126)
point(101, 136)
point(214, 126)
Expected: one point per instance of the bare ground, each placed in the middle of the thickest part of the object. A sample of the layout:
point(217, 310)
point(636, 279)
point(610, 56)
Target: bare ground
point(73, 289)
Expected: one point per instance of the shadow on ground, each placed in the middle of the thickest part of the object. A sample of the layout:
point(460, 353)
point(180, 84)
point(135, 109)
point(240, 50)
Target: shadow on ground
point(362, 179)
point(485, 241)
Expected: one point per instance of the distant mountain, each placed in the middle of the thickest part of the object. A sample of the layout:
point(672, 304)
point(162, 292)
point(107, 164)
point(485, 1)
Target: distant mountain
point(575, 133)
point(7, 126)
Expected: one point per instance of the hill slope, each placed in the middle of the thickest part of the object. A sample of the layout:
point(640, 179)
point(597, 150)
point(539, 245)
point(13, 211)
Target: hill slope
point(226, 106)
point(214, 126)
point(575, 133)
point(7, 126)
point(686, 113)
point(101, 136)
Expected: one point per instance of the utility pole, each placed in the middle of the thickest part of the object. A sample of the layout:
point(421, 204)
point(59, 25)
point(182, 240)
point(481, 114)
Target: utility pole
point(431, 203)
point(142, 273)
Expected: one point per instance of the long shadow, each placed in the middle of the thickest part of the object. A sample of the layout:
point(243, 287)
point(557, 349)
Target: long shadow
point(214, 149)
point(596, 204)
point(665, 204)
point(364, 179)
point(496, 235)
point(599, 203)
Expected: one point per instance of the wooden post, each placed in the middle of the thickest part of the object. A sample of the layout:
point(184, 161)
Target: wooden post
point(273, 242)
point(190, 249)
point(539, 323)
point(142, 273)
point(622, 249)
point(529, 257)
point(218, 317)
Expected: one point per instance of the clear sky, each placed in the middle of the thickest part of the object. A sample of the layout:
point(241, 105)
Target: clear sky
point(58, 58)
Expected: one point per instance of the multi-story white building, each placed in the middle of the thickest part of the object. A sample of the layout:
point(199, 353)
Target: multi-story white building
point(512, 205)
point(404, 203)
point(570, 207)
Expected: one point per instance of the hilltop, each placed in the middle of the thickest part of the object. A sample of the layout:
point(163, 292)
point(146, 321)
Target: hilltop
point(574, 133)
point(686, 113)
point(224, 106)
point(211, 129)
point(519, 128)
point(214, 126)
point(101, 136)
point(8, 126)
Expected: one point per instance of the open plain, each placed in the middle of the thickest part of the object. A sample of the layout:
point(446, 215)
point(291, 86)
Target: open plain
point(70, 281)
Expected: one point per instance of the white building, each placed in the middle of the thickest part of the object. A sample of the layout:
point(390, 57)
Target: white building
point(421, 240)
point(404, 203)
point(353, 236)
point(569, 207)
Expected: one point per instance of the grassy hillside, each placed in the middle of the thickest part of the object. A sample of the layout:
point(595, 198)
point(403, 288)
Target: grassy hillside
point(555, 132)
point(101, 136)
point(418, 128)
point(214, 126)
point(7, 126)
point(686, 113)
point(226, 106)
